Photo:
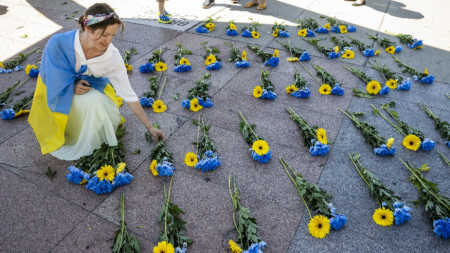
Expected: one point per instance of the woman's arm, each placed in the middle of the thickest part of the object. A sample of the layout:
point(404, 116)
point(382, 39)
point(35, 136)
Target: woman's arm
point(140, 114)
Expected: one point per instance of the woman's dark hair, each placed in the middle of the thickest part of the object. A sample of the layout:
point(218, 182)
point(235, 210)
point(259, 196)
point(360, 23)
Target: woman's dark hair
point(100, 8)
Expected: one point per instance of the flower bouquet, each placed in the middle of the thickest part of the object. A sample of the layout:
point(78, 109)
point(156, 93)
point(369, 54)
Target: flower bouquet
point(339, 27)
point(239, 58)
point(198, 97)
point(331, 53)
point(279, 31)
point(327, 80)
point(389, 46)
point(151, 98)
point(161, 159)
point(231, 29)
point(212, 60)
point(13, 65)
point(18, 109)
point(297, 54)
point(259, 147)
point(269, 59)
point(366, 50)
point(266, 90)
point(182, 63)
point(410, 41)
point(424, 77)
point(155, 63)
point(373, 87)
point(127, 58)
point(392, 79)
point(306, 27)
point(298, 89)
point(251, 31)
point(32, 70)
point(347, 52)
point(206, 26)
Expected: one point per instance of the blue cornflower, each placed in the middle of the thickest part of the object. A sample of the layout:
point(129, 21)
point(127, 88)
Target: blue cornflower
point(147, 68)
point(186, 103)
point(165, 168)
point(383, 150)
point(146, 102)
point(269, 95)
point(33, 73)
point(338, 221)
point(333, 55)
point(337, 90)
point(283, 34)
point(351, 29)
point(448, 144)
point(202, 29)
point(335, 29)
point(303, 93)
point(401, 213)
point(182, 68)
point(442, 227)
point(76, 175)
point(256, 247)
point(232, 32)
point(121, 179)
point(319, 149)
point(384, 90)
point(246, 33)
point(214, 66)
point(368, 52)
point(415, 44)
point(209, 154)
point(304, 56)
point(322, 30)
point(242, 64)
point(262, 159)
point(205, 103)
point(427, 79)
point(7, 114)
point(427, 144)
point(208, 164)
point(310, 33)
point(99, 187)
point(398, 49)
point(272, 62)
point(405, 85)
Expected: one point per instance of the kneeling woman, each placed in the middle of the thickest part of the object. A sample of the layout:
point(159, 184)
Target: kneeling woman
point(75, 107)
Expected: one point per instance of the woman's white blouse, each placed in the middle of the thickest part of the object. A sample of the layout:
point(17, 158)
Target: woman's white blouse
point(109, 65)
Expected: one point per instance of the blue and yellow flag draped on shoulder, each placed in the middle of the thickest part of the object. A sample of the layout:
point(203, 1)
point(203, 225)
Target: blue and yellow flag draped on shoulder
point(55, 89)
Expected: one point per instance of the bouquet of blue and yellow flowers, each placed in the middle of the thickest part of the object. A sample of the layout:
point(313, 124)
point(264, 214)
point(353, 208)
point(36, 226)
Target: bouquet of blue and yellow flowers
point(231, 29)
point(206, 158)
point(389, 46)
point(279, 31)
point(32, 70)
point(182, 63)
point(13, 65)
point(306, 27)
point(161, 159)
point(206, 26)
point(329, 83)
point(18, 109)
point(245, 224)
point(154, 63)
point(151, 98)
point(331, 53)
point(251, 31)
point(239, 58)
point(436, 205)
point(366, 50)
point(269, 59)
point(266, 90)
point(298, 89)
point(392, 79)
point(391, 209)
point(373, 87)
point(414, 139)
point(297, 54)
point(260, 149)
point(212, 60)
point(339, 27)
point(198, 97)
point(424, 77)
point(410, 41)
point(345, 47)
point(316, 200)
point(380, 145)
point(314, 138)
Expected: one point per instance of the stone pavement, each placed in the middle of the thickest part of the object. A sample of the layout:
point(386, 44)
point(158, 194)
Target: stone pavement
point(41, 215)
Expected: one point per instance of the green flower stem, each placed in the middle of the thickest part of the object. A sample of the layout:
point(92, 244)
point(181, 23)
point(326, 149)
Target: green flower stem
point(245, 121)
point(358, 123)
point(167, 206)
point(163, 84)
point(288, 171)
point(424, 186)
point(444, 158)
point(377, 112)
point(198, 133)
point(122, 213)
point(357, 165)
point(235, 206)
point(311, 74)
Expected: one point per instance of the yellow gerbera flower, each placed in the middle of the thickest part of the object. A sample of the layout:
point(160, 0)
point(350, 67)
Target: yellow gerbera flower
point(190, 159)
point(120, 167)
point(373, 87)
point(194, 105)
point(325, 89)
point(321, 135)
point(244, 55)
point(29, 67)
point(343, 29)
point(255, 34)
point(302, 32)
point(383, 217)
point(291, 88)
point(234, 247)
point(336, 49)
point(106, 172)
point(348, 54)
point(425, 72)
point(159, 106)
point(292, 59)
point(210, 26)
point(419, 47)
point(1, 65)
point(129, 67)
point(391, 83)
point(152, 168)
point(411, 142)
point(276, 53)
point(275, 33)
point(377, 52)
point(164, 247)
point(390, 50)
point(210, 59)
point(232, 26)
point(327, 26)
point(261, 147)
point(389, 142)
point(257, 91)
point(185, 61)
point(319, 226)
point(160, 66)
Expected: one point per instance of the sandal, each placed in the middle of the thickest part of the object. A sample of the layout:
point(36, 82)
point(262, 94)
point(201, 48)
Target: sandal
point(250, 4)
point(261, 6)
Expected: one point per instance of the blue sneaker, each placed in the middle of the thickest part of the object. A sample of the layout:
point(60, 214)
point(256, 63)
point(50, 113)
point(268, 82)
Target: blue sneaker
point(165, 19)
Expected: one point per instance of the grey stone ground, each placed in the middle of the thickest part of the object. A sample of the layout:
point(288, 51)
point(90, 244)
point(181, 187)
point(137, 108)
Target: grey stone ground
point(40, 215)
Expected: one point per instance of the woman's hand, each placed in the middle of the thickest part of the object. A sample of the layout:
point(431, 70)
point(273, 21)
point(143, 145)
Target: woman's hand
point(82, 87)
point(156, 133)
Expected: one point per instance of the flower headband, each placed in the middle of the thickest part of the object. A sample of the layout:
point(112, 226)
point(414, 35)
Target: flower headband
point(97, 18)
